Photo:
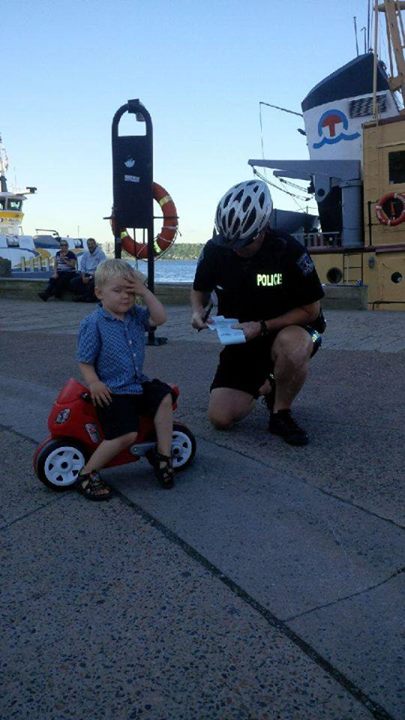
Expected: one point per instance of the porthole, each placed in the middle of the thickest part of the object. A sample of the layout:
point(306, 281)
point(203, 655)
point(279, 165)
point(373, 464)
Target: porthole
point(396, 277)
point(334, 275)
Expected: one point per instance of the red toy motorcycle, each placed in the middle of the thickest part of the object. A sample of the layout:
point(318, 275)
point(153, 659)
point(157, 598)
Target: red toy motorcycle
point(75, 433)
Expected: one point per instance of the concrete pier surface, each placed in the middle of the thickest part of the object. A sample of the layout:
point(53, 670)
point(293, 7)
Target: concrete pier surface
point(267, 585)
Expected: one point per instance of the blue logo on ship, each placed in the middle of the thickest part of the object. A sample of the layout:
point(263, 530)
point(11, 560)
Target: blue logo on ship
point(327, 128)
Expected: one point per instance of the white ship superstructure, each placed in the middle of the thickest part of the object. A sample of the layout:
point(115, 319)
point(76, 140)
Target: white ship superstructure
point(25, 251)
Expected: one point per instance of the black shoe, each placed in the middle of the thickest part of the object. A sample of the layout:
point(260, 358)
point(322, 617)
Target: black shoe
point(268, 399)
point(43, 296)
point(282, 423)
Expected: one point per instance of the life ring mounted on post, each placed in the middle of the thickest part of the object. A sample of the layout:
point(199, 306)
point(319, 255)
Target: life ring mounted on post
point(390, 209)
point(167, 235)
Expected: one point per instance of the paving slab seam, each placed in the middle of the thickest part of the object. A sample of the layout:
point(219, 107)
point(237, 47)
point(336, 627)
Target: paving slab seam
point(376, 710)
point(356, 692)
point(30, 513)
point(347, 597)
point(304, 480)
point(260, 462)
point(10, 429)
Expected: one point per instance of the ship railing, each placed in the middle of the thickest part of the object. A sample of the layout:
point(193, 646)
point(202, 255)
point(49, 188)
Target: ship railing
point(320, 239)
point(32, 264)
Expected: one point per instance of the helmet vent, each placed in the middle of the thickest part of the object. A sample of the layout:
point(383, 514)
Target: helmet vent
point(242, 213)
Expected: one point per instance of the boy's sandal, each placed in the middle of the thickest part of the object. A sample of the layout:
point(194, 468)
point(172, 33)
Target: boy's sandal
point(163, 470)
point(93, 487)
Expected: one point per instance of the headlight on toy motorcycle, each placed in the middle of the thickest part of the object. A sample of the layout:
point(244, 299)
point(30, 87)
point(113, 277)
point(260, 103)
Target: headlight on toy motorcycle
point(92, 432)
point(62, 416)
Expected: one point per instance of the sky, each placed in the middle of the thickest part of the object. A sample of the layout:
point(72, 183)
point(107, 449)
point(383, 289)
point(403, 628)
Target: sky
point(201, 69)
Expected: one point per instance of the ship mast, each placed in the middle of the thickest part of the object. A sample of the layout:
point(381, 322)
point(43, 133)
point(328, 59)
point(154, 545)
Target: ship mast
point(396, 42)
point(3, 167)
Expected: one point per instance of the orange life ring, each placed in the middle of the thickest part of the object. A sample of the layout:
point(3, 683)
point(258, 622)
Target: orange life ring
point(167, 235)
point(382, 215)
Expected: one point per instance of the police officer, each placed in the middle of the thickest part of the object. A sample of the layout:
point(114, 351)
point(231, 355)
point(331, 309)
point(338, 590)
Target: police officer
point(266, 280)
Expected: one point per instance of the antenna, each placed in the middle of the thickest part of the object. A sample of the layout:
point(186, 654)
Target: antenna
point(364, 31)
point(355, 35)
point(3, 157)
point(3, 167)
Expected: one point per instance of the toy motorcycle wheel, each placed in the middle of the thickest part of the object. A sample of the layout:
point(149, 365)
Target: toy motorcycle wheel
point(59, 462)
point(183, 446)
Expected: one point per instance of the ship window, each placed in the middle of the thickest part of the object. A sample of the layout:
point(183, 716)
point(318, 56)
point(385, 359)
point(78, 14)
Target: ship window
point(13, 242)
point(396, 164)
point(2, 203)
point(363, 107)
point(14, 204)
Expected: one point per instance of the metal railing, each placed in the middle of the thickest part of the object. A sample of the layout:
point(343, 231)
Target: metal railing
point(319, 239)
point(37, 263)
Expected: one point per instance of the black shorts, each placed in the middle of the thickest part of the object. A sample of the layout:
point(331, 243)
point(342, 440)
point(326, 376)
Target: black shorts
point(246, 366)
point(121, 416)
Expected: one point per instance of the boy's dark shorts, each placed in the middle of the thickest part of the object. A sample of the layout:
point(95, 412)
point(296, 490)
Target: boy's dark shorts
point(122, 415)
point(246, 367)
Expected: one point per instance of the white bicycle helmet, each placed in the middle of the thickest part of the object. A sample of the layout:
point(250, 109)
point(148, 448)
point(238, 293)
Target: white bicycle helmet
point(242, 213)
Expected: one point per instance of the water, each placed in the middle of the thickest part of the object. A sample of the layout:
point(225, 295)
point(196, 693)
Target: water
point(168, 271)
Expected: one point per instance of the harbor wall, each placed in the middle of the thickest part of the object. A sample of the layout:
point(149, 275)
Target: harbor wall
point(337, 297)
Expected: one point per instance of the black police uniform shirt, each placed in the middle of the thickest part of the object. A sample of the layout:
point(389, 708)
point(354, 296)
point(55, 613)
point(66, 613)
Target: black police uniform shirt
point(281, 276)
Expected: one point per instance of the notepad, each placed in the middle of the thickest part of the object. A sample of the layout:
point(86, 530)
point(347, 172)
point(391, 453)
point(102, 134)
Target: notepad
point(227, 334)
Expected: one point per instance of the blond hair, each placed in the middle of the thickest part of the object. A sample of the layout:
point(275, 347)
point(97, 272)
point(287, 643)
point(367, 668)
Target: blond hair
point(109, 269)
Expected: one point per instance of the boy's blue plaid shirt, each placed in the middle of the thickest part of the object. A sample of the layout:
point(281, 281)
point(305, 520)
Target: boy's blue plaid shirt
point(116, 348)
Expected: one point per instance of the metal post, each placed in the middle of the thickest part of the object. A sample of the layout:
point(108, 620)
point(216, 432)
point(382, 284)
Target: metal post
point(132, 187)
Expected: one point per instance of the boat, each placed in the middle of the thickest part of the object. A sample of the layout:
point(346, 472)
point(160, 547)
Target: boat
point(25, 252)
point(355, 130)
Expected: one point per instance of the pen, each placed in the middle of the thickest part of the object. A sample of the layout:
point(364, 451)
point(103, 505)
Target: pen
point(206, 314)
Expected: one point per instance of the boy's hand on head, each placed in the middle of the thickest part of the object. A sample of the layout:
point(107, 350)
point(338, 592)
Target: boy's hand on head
point(100, 393)
point(138, 285)
point(134, 288)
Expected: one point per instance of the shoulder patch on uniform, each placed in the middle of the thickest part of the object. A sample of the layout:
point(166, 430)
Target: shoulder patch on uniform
point(305, 264)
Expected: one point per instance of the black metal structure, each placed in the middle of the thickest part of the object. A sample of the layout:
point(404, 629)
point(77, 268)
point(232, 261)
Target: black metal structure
point(132, 157)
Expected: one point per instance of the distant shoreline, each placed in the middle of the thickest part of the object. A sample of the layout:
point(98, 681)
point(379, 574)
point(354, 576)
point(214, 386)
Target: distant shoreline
point(180, 251)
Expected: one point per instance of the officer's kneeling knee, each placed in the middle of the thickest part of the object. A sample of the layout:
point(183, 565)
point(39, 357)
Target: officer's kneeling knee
point(220, 422)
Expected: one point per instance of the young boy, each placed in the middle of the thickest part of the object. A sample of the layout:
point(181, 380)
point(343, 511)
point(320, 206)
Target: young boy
point(111, 350)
